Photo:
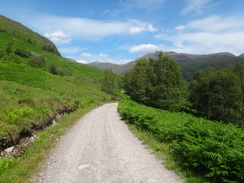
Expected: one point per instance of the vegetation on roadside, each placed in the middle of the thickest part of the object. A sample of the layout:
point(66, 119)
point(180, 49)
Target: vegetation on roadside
point(38, 86)
point(213, 94)
point(202, 148)
point(27, 167)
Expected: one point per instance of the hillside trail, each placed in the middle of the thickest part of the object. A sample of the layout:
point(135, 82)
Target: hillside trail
point(101, 149)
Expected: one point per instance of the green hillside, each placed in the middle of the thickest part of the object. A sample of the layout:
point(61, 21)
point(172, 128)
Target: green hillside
point(189, 68)
point(37, 83)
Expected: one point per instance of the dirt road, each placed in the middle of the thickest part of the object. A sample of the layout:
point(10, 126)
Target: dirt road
point(101, 149)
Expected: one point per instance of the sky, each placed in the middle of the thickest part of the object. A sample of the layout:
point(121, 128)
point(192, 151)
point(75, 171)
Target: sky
point(119, 31)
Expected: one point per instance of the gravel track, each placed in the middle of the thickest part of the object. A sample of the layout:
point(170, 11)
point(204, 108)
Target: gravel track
point(101, 149)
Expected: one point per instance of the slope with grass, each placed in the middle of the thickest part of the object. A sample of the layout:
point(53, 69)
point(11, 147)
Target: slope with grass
point(32, 95)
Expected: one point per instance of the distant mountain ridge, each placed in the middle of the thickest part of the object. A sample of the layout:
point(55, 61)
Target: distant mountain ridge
point(178, 57)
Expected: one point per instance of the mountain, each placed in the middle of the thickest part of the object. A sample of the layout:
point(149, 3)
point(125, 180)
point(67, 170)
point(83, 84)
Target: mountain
point(189, 63)
point(242, 55)
point(37, 84)
point(184, 57)
point(118, 69)
point(189, 68)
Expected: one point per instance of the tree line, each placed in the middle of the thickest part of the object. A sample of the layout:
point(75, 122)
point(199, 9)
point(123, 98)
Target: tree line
point(213, 94)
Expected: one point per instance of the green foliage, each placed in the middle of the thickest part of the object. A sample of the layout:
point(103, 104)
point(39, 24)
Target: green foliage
point(211, 149)
point(17, 116)
point(36, 61)
point(1, 53)
point(108, 83)
point(189, 68)
point(216, 95)
point(9, 47)
point(53, 69)
point(12, 58)
point(23, 53)
point(7, 163)
point(156, 83)
point(50, 48)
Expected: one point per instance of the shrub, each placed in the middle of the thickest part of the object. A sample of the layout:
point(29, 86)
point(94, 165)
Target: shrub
point(37, 61)
point(211, 149)
point(53, 69)
point(22, 53)
point(17, 116)
point(1, 53)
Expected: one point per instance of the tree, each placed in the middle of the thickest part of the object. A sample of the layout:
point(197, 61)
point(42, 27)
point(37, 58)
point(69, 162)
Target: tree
point(108, 83)
point(216, 94)
point(156, 83)
point(166, 83)
point(136, 81)
point(239, 72)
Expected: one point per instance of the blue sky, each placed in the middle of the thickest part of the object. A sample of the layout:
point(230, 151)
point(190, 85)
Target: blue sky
point(120, 31)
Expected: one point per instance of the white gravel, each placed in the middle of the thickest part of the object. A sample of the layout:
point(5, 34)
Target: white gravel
point(101, 149)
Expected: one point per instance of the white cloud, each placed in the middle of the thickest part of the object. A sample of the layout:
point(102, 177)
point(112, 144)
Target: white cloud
point(195, 6)
point(144, 48)
point(212, 34)
point(58, 37)
point(217, 23)
point(151, 28)
point(86, 55)
point(102, 57)
point(135, 30)
point(70, 50)
point(180, 27)
point(61, 29)
point(82, 61)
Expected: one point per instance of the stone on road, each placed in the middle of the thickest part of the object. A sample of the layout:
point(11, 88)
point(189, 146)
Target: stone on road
point(101, 149)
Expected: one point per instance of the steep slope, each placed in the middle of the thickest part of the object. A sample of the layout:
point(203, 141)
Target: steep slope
point(37, 84)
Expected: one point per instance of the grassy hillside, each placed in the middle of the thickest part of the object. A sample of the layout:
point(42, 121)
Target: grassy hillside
point(189, 68)
point(31, 96)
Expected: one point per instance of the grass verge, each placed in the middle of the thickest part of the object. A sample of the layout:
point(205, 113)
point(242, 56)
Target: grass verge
point(20, 170)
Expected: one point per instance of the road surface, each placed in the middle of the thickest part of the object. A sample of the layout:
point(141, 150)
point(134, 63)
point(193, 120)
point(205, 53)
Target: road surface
point(101, 149)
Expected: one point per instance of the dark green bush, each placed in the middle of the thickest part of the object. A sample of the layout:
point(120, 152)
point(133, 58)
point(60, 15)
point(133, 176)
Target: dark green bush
point(37, 61)
point(211, 149)
point(22, 53)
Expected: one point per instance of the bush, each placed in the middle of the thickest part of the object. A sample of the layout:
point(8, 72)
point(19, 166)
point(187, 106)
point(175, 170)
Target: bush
point(211, 149)
point(17, 116)
point(37, 61)
point(22, 53)
point(53, 69)
point(1, 53)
